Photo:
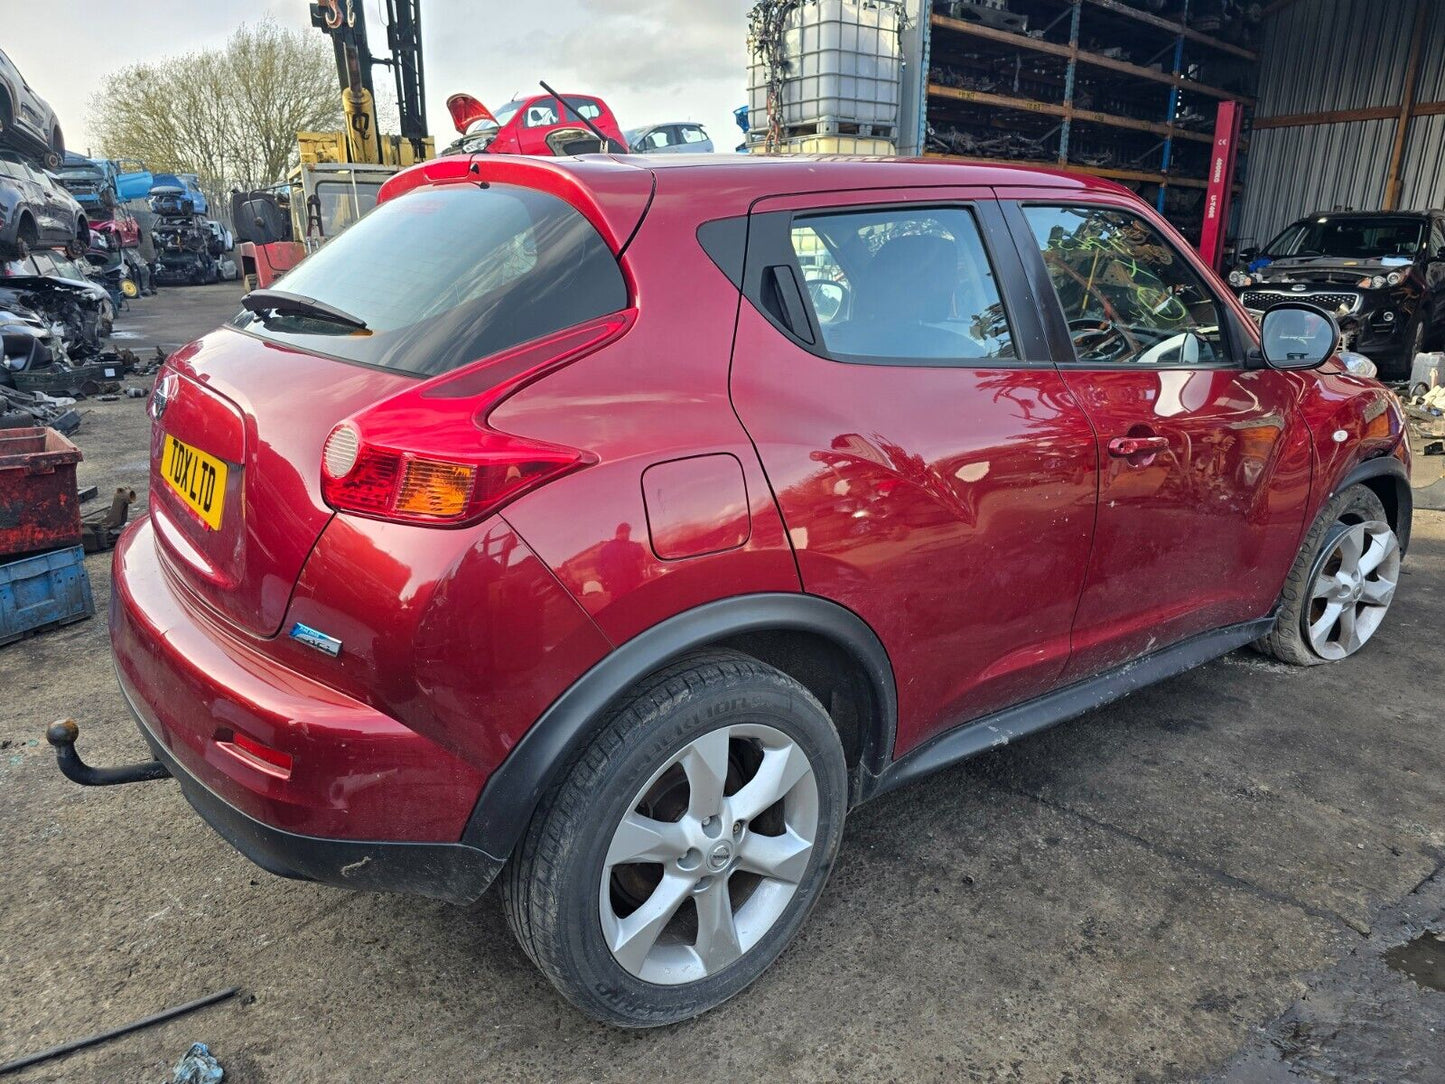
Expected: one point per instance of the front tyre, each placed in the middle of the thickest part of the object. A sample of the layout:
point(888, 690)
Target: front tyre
point(683, 851)
point(1341, 585)
point(1416, 336)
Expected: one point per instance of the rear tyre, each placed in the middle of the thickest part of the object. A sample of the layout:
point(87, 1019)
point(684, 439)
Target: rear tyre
point(26, 237)
point(1341, 585)
point(685, 848)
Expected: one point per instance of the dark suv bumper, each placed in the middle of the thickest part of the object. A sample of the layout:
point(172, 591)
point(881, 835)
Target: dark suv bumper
point(452, 872)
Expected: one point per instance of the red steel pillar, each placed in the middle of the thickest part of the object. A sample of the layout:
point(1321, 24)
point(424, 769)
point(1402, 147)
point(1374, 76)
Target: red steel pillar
point(1221, 181)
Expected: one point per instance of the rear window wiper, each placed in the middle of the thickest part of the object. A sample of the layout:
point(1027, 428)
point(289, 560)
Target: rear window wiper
point(283, 303)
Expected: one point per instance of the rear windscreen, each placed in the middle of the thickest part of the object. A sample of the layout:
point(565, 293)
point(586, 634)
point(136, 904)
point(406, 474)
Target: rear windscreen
point(446, 275)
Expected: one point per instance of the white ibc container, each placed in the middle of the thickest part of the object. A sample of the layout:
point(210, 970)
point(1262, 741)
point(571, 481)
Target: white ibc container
point(842, 74)
point(829, 145)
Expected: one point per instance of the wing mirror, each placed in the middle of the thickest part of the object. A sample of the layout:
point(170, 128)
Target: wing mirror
point(1296, 335)
point(829, 298)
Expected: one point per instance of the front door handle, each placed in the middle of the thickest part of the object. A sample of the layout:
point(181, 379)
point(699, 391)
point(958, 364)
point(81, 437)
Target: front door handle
point(1125, 447)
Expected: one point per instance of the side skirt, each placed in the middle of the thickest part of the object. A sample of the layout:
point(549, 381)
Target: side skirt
point(990, 732)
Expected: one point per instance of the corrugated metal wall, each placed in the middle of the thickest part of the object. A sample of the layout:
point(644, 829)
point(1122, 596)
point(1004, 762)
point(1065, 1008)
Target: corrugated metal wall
point(1327, 55)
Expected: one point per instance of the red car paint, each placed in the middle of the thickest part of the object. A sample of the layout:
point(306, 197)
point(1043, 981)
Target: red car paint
point(122, 230)
point(973, 518)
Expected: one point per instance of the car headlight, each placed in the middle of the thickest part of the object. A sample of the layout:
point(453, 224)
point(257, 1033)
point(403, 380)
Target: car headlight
point(1239, 278)
point(1358, 364)
point(1394, 278)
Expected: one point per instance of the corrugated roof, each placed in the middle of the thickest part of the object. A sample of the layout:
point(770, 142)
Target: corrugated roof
point(1327, 55)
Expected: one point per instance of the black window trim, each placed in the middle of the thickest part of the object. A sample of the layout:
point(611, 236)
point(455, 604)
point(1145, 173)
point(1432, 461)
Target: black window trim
point(1052, 310)
point(770, 244)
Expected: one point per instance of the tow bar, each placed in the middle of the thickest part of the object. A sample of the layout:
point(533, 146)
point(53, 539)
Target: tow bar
point(62, 735)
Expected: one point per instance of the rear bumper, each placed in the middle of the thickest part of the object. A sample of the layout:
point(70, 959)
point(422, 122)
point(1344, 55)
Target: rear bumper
point(365, 802)
point(452, 872)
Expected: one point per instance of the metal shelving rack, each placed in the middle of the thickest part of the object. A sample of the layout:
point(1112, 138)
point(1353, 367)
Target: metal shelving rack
point(1179, 46)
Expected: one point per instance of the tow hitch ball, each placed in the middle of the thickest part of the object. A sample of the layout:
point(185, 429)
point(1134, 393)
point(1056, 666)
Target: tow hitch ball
point(62, 735)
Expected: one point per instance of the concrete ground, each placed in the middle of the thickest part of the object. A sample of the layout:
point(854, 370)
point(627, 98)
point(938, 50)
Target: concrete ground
point(1209, 879)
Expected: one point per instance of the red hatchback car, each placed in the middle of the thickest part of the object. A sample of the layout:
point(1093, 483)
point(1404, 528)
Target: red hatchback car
point(612, 526)
point(540, 124)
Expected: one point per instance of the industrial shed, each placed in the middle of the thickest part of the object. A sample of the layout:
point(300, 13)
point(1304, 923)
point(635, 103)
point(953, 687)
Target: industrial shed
point(1342, 102)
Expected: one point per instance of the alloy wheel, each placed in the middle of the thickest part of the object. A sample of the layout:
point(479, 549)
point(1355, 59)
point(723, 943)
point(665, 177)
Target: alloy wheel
point(709, 854)
point(1352, 589)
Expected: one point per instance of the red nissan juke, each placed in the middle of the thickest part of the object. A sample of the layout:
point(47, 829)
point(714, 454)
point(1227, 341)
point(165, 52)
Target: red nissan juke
point(610, 527)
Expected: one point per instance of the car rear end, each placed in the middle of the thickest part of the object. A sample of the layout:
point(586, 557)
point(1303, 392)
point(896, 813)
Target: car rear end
point(325, 627)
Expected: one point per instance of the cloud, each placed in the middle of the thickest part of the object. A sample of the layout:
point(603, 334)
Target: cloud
point(654, 45)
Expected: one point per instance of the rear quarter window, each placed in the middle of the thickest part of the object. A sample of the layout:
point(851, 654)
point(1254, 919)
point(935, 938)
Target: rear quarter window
point(443, 276)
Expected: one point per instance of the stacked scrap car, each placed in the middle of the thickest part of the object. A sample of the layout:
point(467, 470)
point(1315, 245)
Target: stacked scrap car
point(101, 184)
point(36, 211)
point(185, 244)
point(75, 310)
point(188, 183)
point(27, 123)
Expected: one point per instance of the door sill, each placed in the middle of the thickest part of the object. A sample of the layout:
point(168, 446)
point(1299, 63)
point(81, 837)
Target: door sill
point(980, 735)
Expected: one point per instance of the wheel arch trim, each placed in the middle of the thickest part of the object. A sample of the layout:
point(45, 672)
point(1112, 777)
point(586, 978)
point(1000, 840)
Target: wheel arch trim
point(1389, 468)
point(515, 788)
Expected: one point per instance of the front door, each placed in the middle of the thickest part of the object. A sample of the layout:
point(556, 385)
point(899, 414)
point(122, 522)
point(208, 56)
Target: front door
point(935, 473)
point(1204, 462)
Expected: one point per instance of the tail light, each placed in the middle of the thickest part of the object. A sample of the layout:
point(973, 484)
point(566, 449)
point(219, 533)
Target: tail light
point(428, 456)
point(398, 484)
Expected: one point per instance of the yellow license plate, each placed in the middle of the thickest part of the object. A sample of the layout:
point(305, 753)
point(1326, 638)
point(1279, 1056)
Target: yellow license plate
point(200, 479)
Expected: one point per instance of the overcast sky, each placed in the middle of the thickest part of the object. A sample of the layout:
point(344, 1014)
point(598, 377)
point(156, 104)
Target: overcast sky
point(652, 60)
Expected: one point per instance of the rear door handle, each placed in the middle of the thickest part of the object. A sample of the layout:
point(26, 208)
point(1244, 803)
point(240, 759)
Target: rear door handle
point(1134, 447)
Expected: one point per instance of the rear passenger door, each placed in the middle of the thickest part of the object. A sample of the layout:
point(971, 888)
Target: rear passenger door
point(935, 474)
point(1204, 460)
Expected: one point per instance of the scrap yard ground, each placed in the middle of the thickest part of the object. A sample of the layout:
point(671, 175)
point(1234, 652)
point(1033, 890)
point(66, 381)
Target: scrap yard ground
point(1202, 880)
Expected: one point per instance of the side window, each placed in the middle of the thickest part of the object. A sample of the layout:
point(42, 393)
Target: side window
point(655, 139)
point(1437, 239)
point(904, 283)
point(1127, 295)
point(691, 133)
point(584, 107)
point(541, 114)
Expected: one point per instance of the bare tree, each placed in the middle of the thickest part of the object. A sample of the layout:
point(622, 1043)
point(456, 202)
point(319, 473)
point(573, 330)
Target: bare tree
point(230, 115)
